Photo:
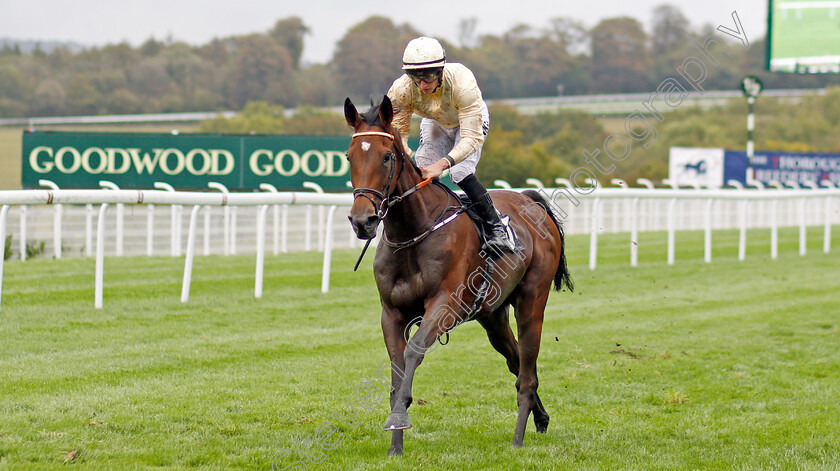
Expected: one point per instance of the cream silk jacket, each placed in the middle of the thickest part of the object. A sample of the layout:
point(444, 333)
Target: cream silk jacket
point(456, 102)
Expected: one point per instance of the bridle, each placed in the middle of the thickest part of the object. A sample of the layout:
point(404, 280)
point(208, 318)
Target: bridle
point(384, 195)
point(387, 200)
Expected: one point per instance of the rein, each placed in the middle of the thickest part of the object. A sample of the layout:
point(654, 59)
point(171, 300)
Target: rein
point(387, 201)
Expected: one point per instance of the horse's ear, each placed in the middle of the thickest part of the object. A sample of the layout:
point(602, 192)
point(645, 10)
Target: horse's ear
point(386, 112)
point(350, 114)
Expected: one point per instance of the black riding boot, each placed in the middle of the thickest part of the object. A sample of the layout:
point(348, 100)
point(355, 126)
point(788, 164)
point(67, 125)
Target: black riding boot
point(497, 239)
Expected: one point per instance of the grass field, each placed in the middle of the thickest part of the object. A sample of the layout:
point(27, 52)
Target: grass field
point(805, 32)
point(729, 365)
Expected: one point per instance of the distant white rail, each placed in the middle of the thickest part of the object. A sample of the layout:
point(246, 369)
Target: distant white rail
point(801, 5)
point(613, 103)
point(632, 210)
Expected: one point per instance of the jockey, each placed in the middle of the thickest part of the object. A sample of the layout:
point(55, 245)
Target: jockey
point(454, 125)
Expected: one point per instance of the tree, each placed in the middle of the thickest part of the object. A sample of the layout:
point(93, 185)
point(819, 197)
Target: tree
point(466, 32)
point(369, 57)
point(289, 34)
point(670, 30)
point(82, 97)
point(151, 47)
point(571, 34)
point(122, 101)
point(620, 59)
point(12, 82)
point(148, 78)
point(49, 99)
point(259, 63)
point(542, 64)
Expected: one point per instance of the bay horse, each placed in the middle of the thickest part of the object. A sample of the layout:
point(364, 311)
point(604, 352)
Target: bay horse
point(430, 268)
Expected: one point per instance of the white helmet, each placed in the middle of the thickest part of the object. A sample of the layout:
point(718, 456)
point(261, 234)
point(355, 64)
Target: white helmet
point(423, 53)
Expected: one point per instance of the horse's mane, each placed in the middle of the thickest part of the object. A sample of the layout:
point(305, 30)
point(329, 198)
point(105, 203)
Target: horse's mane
point(371, 117)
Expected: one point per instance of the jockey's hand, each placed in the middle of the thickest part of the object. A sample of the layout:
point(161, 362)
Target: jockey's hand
point(434, 170)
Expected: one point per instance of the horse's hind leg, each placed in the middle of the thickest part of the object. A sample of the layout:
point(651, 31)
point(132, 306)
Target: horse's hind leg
point(529, 316)
point(501, 338)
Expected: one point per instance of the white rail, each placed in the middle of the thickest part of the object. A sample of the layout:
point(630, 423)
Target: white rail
point(637, 213)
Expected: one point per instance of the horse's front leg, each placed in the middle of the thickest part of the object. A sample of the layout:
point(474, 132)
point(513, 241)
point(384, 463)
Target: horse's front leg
point(393, 328)
point(438, 319)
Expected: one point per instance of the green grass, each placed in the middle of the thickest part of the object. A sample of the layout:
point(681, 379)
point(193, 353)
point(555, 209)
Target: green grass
point(814, 33)
point(729, 365)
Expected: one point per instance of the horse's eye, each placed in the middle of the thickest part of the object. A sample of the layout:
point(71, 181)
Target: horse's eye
point(388, 156)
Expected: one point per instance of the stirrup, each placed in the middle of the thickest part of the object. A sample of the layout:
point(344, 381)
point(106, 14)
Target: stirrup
point(497, 243)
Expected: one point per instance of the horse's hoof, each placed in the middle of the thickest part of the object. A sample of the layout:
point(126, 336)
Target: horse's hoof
point(542, 425)
point(397, 421)
point(395, 452)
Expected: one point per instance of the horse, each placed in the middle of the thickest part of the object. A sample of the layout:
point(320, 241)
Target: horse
point(430, 268)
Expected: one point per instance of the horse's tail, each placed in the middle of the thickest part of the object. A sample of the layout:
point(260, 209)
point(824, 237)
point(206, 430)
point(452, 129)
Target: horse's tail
point(562, 277)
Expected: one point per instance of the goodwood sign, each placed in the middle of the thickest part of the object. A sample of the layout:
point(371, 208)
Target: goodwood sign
point(185, 161)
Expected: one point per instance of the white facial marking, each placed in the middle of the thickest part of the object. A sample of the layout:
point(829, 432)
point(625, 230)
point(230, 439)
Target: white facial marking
point(365, 146)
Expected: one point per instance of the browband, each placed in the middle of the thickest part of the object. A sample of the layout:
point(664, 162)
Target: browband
point(374, 133)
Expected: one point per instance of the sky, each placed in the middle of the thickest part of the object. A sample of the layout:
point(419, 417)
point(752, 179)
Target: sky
point(98, 22)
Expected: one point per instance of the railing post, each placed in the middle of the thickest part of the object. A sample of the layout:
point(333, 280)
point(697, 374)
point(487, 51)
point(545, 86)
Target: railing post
point(671, 227)
point(827, 240)
point(188, 263)
point(742, 234)
point(634, 233)
point(735, 183)
point(276, 221)
point(150, 229)
point(262, 213)
point(535, 183)
point(328, 246)
point(175, 222)
point(100, 257)
point(284, 229)
point(593, 236)
point(802, 236)
point(234, 226)
point(57, 217)
point(814, 216)
point(23, 212)
point(774, 229)
point(707, 239)
point(226, 231)
point(317, 189)
point(645, 213)
point(626, 220)
point(827, 232)
point(89, 212)
point(120, 216)
point(760, 204)
point(4, 212)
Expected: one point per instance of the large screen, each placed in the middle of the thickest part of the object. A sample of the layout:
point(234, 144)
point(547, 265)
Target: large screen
point(803, 36)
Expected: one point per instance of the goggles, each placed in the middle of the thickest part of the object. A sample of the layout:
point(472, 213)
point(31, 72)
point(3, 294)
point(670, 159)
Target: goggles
point(424, 75)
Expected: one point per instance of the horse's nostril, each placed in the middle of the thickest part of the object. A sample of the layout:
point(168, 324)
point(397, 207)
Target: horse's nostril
point(371, 220)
